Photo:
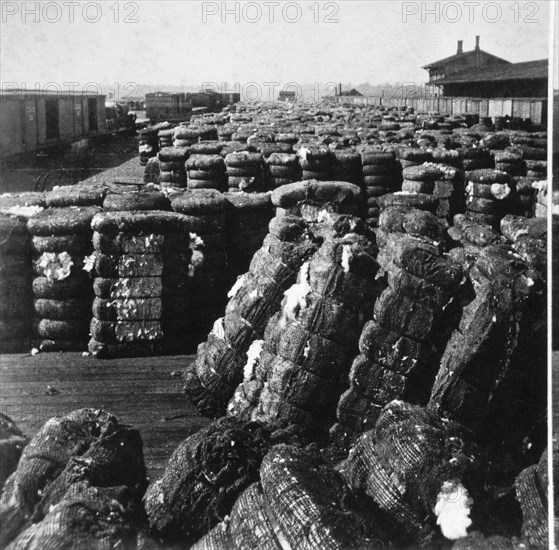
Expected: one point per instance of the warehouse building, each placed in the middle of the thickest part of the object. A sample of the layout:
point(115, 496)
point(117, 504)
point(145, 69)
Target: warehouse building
point(37, 119)
point(482, 75)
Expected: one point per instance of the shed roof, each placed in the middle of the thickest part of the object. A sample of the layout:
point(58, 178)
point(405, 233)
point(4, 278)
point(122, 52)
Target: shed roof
point(449, 60)
point(512, 71)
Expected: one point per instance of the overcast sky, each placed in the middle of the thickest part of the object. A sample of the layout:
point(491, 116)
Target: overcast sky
point(168, 42)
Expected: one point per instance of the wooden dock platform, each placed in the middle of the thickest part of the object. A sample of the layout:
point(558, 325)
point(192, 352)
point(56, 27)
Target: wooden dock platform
point(144, 392)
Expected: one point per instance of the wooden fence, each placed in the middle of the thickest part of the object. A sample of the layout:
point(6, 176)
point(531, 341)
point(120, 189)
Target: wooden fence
point(532, 108)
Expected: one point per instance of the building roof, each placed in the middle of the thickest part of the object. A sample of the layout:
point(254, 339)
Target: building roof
point(512, 71)
point(461, 56)
point(352, 92)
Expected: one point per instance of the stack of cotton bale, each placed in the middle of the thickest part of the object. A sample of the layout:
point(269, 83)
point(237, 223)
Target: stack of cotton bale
point(206, 171)
point(490, 195)
point(475, 158)
point(534, 153)
point(245, 172)
point(315, 162)
point(420, 178)
point(535, 160)
point(205, 211)
point(449, 192)
point(413, 318)
point(281, 169)
point(381, 175)
point(142, 260)
point(62, 241)
point(248, 217)
point(287, 137)
point(346, 166)
point(254, 298)
point(413, 156)
point(165, 136)
point(16, 297)
point(496, 357)
point(172, 170)
point(300, 368)
point(185, 136)
point(267, 149)
point(148, 144)
point(225, 132)
point(449, 157)
point(511, 163)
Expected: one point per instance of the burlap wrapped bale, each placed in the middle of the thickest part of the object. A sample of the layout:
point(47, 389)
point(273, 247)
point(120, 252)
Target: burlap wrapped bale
point(143, 265)
point(31, 198)
point(206, 171)
point(73, 220)
point(204, 477)
point(413, 319)
point(148, 144)
point(311, 322)
point(115, 202)
point(12, 443)
point(308, 198)
point(15, 285)
point(111, 223)
point(281, 169)
point(248, 217)
point(315, 161)
point(381, 175)
point(86, 447)
point(75, 195)
point(346, 166)
point(305, 500)
point(256, 295)
point(62, 242)
point(486, 352)
point(533, 501)
point(245, 171)
point(410, 462)
point(402, 199)
point(87, 517)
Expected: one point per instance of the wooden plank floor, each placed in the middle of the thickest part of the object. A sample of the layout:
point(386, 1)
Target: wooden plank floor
point(144, 392)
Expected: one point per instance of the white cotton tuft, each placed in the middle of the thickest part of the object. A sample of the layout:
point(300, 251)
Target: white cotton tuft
point(253, 356)
point(453, 510)
point(296, 297)
point(196, 241)
point(218, 330)
point(26, 211)
point(500, 191)
point(236, 287)
point(347, 256)
point(303, 152)
point(324, 216)
point(307, 349)
point(540, 185)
